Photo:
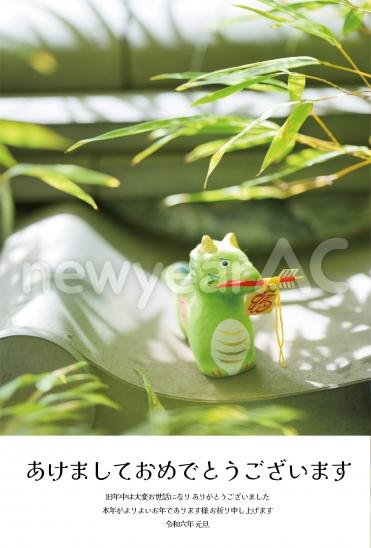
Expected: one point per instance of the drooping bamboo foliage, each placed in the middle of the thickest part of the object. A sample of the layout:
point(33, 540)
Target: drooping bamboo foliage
point(287, 77)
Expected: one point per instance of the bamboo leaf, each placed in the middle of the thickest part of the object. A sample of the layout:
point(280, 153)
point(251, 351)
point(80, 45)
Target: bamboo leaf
point(260, 83)
point(208, 149)
point(46, 382)
point(309, 157)
point(154, 403)
point(218, 155)
point(246, 84)
point(211, 125)
point(352, 21)
point(84, 175)
point(54, 413)
point(239, 74)
point(267, 14)
point(62, 183)
point(98, 399)
point(52, 178)
point(90, 397)
point(154, 147)
point(25, 135)
point(74, 392)
point(6, 158)
point(81, 377)
point(189, 125)
point(172, 124)
point(176, 76)
point(270, 84)
point(295, 162)
point(316, 4)
point(48, 406)
point(222, 420)
point(296, 19)
point(285, 138)
point(8, 390)
point(220, 94)
point(296, 83)
point(64, 177)
point(227, 77)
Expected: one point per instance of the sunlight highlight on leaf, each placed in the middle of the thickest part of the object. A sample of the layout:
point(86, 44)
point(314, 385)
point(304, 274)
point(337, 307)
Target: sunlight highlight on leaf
point(85, 175)
point(296, 84)
point(26, 135)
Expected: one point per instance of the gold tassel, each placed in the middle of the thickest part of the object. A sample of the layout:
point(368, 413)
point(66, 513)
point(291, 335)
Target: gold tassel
point(279, 329)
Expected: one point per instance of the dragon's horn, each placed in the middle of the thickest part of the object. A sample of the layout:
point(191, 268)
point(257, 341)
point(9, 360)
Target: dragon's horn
point(231, 239)
point(208, 244)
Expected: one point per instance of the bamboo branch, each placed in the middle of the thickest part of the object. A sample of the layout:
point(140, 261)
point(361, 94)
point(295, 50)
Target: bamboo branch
point(326, 129)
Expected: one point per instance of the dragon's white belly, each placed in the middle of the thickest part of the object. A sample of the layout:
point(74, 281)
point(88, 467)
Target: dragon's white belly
point(229, 345)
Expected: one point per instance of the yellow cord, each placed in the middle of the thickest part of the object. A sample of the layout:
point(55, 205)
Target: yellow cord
point(279, 329)
point(273, 284)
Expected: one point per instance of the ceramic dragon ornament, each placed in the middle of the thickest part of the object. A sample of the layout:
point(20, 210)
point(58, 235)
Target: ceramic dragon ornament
point(217, 292)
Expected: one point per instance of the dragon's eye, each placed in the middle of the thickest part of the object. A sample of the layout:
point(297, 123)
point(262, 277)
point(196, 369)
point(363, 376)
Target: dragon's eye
point(225, 263)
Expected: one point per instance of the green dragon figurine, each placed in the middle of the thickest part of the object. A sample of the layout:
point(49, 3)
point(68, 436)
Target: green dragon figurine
point(218, 291)
point(212, 315)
